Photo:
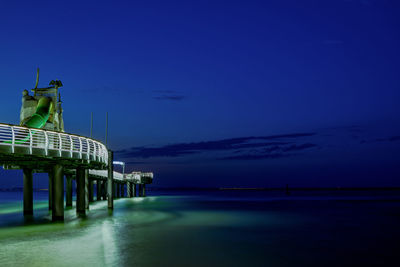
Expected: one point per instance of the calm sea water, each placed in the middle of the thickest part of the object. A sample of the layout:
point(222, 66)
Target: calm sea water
point(209, 228)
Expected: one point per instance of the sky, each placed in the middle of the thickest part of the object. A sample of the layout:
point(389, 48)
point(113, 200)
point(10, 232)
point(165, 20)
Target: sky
point(217, 93)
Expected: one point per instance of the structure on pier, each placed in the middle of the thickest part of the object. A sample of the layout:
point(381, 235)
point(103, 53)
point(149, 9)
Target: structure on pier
point(43, 109)
point(40, 144)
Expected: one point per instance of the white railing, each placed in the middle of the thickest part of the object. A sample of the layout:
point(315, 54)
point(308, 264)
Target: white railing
point(138, 177)
point(146, 175)
point(104, 174)
point(49, 143)
point(134, 177)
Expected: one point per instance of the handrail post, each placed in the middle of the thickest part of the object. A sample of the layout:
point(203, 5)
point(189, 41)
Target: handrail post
point(72, 145)
point(105, 153)
point(30, 141)
point(80, 147)
point(88, 149)
point(46, 149)
point(95, 151)
point(60, 144)
point(12, 139)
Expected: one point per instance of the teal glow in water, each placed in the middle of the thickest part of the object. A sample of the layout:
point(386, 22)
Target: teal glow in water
point(208, 229)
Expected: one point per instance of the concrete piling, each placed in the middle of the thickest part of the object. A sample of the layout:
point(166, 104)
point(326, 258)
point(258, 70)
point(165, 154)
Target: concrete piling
point(110, 180)
point(104, 189)
point(143, 190)
point(91, 190)
point(51, 179)
point(28, 191)
point(87, 189)
point(140, 190)
point(98, 190)
point(128, 189)
point(80, 191)
point(58, 193)
point(68, 196)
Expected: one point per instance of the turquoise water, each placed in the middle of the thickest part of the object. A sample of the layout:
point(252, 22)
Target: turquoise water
point(209, 228)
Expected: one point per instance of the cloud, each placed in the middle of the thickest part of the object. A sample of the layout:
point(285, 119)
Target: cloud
point(299, 147)
point(168, 95)
point(273, 152)
point(164, 91)
point(394, 138)
point(283, 143)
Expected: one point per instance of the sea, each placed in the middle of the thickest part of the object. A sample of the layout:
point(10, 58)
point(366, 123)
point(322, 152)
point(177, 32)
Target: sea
point(209, 228)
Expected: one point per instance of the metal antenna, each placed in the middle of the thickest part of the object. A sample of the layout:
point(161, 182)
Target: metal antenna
point(106, 127)
point(37, 78)
point(91, 124)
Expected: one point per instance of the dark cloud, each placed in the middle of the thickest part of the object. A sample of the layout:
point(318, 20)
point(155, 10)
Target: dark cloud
point(232, 145)
point(273, 152)
point(170, 97)
point(164, 91)
point(387, 139)
point(299, 147)
point(394, 138)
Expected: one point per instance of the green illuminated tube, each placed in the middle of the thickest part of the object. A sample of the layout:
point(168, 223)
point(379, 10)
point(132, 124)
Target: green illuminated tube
point(38, 120)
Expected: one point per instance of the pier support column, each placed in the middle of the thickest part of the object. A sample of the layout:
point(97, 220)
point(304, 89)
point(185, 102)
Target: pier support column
point(128, 189)
point(98, 190)
point(80, 191)
point(134, 190)
point(143, 190)
point(110, 180)
point(139, 193)
point(58, 193)
point(91, 190)
point(104, 190)
point(51, 181)
point(118, 185)
point(68, 196)
point(122, 190)
point(87, 189)
point(28, 191)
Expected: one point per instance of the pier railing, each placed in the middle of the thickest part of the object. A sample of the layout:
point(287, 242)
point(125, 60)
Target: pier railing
point(39, 142)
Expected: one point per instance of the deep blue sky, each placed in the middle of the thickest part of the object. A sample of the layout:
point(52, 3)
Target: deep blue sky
point(217, 93)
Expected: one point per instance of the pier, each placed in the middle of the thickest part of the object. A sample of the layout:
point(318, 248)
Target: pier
point(65, 156)
point(40, 145)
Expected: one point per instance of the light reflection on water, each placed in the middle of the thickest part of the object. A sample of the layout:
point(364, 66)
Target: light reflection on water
point(206, 230)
